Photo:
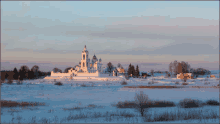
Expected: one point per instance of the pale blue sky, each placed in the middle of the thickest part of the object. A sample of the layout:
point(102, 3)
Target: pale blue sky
point(117, 9)
point(150, 32)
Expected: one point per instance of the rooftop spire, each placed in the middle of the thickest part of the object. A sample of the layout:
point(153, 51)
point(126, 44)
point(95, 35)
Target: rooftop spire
point(85, 48)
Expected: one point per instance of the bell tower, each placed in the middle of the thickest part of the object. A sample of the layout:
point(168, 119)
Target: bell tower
point(84, 60)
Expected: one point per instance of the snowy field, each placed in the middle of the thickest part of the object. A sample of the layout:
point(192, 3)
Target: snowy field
point(96, 97)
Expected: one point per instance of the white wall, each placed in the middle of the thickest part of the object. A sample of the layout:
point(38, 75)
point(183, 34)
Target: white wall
point(88, 74)
point(60, 74)
point(103, 75)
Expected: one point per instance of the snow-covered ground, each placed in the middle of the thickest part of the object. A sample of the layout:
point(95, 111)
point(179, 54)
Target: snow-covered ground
point(60, 99)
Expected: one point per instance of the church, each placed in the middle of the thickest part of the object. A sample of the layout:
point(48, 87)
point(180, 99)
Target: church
point(85, 65)
point(86, 68)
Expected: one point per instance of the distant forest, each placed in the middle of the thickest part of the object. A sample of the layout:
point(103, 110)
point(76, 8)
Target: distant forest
point(24, 73)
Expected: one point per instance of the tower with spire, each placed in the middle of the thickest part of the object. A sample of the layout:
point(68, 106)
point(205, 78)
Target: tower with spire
point(88, 67)
point(85, 60)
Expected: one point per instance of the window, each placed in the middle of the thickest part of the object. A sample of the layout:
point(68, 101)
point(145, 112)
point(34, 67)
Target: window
point(83, 64)
point(83, 57)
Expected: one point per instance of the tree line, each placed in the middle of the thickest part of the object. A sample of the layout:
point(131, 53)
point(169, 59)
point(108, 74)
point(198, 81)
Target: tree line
point(23, 73)
point(131, 69)
point(184, 67)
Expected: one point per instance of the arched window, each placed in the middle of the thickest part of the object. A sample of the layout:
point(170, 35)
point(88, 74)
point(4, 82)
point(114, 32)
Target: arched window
point(83, 57)
point(83, 64)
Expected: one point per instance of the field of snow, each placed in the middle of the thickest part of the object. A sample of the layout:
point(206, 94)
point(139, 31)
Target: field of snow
point(60, 100)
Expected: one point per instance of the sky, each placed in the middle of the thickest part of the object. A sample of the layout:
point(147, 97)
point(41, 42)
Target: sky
point(150, 34)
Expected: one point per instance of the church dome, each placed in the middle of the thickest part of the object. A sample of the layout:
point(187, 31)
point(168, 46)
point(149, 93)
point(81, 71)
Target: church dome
point(100, 60)
point(94, 57)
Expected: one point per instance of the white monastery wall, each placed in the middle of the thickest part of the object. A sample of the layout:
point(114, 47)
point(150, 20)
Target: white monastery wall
point(84, 74)
point(60, 74)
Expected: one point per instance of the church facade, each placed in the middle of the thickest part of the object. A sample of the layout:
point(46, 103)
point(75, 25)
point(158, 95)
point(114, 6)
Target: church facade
point(86, 68)
point(89, 67)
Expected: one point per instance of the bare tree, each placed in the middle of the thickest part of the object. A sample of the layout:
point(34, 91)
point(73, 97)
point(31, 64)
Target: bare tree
point(141, 101)
point(152, 72)
point(175, 64)
point(185, 67)
point(171, 68)
point(177, 67)
point(119, 65)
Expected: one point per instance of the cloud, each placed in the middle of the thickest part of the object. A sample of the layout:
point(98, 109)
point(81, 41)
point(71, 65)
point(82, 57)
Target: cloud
point(166, 21)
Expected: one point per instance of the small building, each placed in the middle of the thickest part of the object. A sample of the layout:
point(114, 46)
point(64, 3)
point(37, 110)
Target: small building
point(212, 76)
point(182, 75)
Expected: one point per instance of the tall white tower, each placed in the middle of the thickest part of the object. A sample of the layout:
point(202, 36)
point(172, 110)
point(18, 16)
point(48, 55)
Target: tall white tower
point(85, 60)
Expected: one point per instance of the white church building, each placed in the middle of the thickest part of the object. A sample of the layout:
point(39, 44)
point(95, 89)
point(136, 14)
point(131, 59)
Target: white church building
point(86, 68)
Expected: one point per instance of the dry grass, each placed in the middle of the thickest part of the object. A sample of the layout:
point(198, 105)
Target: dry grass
point(180, 115)
point(74, 108)
point(205, 87)
point(190, 103)
point(124, 83)
point(99, 114)
point(150, 104)
point(184, 83)
point(150, 87)
point(10, 82)
point(206, 83)
point(58, 83)
point(5, 103)
point(19, 82)
point(177, 83)
point(212, 102)
point(83, 85)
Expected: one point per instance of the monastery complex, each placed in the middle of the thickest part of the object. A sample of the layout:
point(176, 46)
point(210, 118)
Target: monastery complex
point(86, 68)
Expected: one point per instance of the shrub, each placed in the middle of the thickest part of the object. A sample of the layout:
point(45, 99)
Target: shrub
point(149, 104)
point(124, 83)
point(181, 115)
point(83, 85)
point(126, 104)
point(58, 83)
point(19, 82)
point(5, 103)
point(206, 83)
point(190, 103)
point(10, 81)
point(212, 102)
point(185, 79)
point(161, 104)
point(184, 83)
point(177, 83)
